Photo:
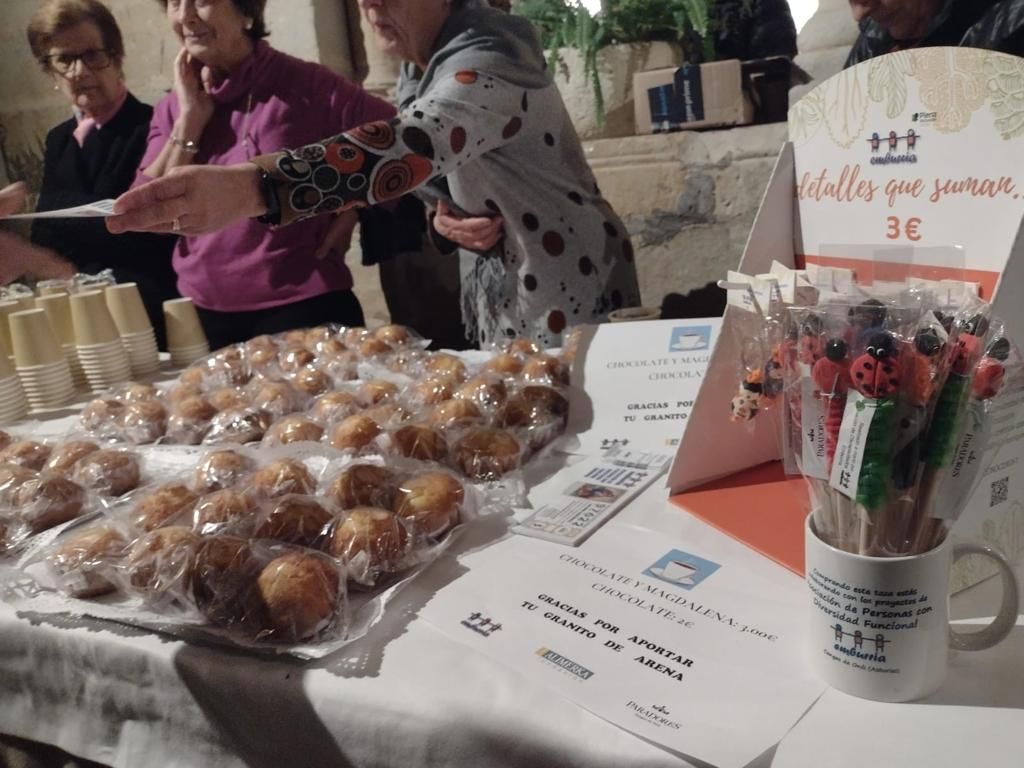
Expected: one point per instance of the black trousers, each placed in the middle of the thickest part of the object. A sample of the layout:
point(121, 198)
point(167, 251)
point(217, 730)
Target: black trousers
point(223, 328)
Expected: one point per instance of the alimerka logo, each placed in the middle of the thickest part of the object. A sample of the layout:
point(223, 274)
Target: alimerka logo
point(566, 665)
point(898, 149)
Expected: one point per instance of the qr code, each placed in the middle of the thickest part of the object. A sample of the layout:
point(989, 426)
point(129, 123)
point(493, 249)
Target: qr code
point(1000, 491)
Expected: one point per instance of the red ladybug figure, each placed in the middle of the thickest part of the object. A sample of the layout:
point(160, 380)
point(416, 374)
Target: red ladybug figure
point(990, 373)
point(831, 374)
point(965, 353)
point(810, 347)
point(876, 373)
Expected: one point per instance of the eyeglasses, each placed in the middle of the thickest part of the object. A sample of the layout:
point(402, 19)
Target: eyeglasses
point(63, 63)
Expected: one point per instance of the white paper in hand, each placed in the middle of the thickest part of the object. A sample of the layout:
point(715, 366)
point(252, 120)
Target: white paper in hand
point(87, 211)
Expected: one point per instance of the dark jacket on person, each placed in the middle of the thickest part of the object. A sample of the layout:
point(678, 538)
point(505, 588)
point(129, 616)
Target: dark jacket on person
point(752, 29)
point(104, 167)
point(997, 25)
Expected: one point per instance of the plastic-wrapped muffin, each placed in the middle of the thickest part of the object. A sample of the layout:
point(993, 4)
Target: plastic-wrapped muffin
point(164, 506)
point(5, 439)
point(353, 337)
point(378, 391)
point(221, 469)
point(455, 413)
point(190, 421)
point(278, 398)
point(66, 455)
point(416, 441)
point(159, 563)
point(540, 410)
point(239, 426)
point(194, 376)
point(545, 369)
point(83, 561)
point(486, 454)
point(331, 349)
point(263, 359)
point(227, 398)
point(293, 429)
point(371, 348)
point(294, 358)
point(108, 472)
point(312, 381)
point(393, 335)
point(430, 502)
point(443, 364)
point(12, 477)
point(299, 520)
point(49, 500)
point(257, 343)
point(334, 406)
point(406, 360)
point(487, 390)
point(227, 367)
point(30, 454)
point(302, 595)
point(223, 574)
point(142, 422)
point(294, 339)
point(370, 541)
point(314, 337)
point(504, 364)
point(100, 416)
point(362, 485)
point(282, 478)
point(354, 433)
point(181, 392)
point(220, 509)
point(523, 347)
point(433, 390)
point(386, 413)
point(136, 392)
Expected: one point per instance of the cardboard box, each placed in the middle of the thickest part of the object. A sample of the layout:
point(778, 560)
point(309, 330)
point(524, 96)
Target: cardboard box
point(880, 177)
point(690, 97)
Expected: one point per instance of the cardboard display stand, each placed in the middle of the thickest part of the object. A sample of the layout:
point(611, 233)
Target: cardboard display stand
point(889, 163)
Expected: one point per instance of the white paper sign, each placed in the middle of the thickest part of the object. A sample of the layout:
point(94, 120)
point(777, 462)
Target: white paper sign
point(635, 383)
point(98, 209)
point(680, 647)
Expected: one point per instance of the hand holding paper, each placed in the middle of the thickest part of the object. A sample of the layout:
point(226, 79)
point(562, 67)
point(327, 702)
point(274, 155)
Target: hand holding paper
point(19, 258)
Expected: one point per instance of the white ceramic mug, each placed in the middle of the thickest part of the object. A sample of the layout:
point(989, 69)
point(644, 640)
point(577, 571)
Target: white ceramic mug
point(879, 626)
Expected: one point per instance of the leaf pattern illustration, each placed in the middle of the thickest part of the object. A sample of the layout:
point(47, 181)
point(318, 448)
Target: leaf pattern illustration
point(806, 116)
point(953, 84)
point(1006, 89)
point(846, 106)
point(887, 81)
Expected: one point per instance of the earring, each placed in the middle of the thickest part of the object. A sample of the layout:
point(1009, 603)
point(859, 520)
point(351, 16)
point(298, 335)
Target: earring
point(248, 24)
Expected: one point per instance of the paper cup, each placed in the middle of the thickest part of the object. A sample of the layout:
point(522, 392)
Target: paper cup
point(6, 366)
point(33, 340)
point(127, 309)
point(183, 328)
point(58, 309)
point(633, 314)
point(91, 318)
point(52, 287)
point(7, 308)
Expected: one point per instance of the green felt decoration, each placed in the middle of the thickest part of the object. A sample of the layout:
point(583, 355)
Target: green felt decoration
point(876, 466)
point(947, 421)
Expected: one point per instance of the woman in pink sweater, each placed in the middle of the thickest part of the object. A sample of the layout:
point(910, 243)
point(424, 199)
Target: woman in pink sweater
point(235, 98)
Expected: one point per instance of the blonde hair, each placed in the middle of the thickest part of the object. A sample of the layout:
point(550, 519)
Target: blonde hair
point(56, 16)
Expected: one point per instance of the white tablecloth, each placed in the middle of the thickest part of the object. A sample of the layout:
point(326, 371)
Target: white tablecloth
point(406, 695)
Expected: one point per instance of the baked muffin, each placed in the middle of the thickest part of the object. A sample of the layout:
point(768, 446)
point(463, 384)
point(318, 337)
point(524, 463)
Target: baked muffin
point(386, 413)
point(370, 541)
point(443, 364)
point(226, 398)
point(419, 442)
point(12, 477)
point(163, 506)
point(278, 398)
point(334, 406)
point(362, 485)
point(291, 360)
point(377, 392)
point(545, 369)
point(455, 413)
point(194, 376)
point(142, 422)
point(341, 367)
point(353, 337)
point(220, 509)
point(221, 469)
point(312, 381)
point(523, 347)
point(433, 390)
point(486, 454)
point(312, 338)
point(430, 502)
point(108, 472)
point(541, 411)
point(190, 421)
point(83, 561)
point(29, 454)
point(294, 339)
point(66, 455)
point(299, 520)
point(257, 343)
point(180, 392)
point(49, 500)
point(301, 592)
point(372, 348)
point(100, 415)
point(282, 478)
point(223, 578)
point(393, 335)
point(505, 364)
point(263, 359)
point(239, 426)
point(159, 563)
point(5, 439)
point(227, 367)
point(330, 349)
point(136, 392)
point(354, 433)
point(293, 429)
point(487, 390)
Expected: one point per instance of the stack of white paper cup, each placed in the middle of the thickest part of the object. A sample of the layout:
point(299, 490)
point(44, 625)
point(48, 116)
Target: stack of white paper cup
point(125, 304)
point(13, 405)
point(41, 365)
point(51, 287)
point(100, 350)
point(58, 309)
point(7, 308)
point(185, 338)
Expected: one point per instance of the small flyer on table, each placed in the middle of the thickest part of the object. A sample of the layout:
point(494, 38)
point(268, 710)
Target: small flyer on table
point(634, 384)
point(677, 645)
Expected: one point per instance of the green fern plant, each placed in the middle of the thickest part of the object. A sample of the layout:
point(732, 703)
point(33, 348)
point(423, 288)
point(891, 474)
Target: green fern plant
point(568, 24)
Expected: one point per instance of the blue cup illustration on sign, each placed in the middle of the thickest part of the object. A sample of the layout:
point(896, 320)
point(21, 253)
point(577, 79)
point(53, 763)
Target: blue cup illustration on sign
point(690, 338)
point(681, 569)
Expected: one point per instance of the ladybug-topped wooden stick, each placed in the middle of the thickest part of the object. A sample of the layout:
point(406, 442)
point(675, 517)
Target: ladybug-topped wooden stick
point(831, 376)
point(876, 375)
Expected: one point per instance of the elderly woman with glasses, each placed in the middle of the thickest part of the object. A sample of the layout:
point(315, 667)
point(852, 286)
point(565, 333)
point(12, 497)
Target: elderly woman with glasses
point(541, 248)
point(92, 156)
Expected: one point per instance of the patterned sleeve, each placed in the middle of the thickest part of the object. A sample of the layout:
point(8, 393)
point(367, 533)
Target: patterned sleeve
point(466, 114)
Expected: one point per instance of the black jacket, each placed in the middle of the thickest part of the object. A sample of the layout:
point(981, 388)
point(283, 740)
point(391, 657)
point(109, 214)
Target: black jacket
point(104, 167)
point(752, 29)
point(997, 25)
